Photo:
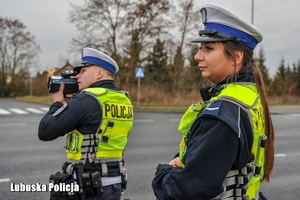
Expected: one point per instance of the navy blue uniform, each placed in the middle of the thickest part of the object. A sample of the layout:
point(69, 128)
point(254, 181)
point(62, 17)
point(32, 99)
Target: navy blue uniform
point(83, 112)
point(219, 140)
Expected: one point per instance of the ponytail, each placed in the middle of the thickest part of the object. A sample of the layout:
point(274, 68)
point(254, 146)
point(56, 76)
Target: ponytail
point(248, 64)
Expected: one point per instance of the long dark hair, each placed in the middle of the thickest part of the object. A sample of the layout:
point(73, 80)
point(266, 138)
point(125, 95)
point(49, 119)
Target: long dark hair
point(249, 64)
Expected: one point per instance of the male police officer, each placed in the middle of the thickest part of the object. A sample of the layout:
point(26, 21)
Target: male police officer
point(97, 122)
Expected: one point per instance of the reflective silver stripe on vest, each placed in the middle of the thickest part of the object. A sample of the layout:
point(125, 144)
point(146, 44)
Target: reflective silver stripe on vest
point(91, 140)
point(103, 162)
point(110, 180)
point(233, 194)
point(238, 198)
point(88, 146)
point(240, 178)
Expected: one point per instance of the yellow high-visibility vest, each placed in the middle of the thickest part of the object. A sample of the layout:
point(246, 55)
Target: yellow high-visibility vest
point(246, 96)
point(111, 137)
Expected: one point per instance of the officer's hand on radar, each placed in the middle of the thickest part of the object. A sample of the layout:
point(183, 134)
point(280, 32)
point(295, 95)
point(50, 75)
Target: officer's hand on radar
point(68, 97)
point(59, 95)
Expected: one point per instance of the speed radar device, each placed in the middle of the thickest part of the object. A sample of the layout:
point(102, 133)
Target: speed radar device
point(67, 78)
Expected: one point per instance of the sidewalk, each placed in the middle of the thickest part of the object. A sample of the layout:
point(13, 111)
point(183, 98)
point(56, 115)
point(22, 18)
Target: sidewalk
point(285, 109)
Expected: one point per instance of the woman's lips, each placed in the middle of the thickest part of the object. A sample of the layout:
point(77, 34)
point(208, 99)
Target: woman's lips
point(202, 68)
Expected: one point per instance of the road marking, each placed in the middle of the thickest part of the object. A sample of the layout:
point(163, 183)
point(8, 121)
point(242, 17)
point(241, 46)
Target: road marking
point(45, 109)
point(34, 110)
point(144, 120)
point(18, 111)
point(280, 155)
point(292, 116)
point(2, 180)
point(22, 112)
point(4, 112)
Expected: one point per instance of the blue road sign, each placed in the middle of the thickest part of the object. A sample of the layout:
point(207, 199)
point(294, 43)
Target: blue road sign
point(140, 72)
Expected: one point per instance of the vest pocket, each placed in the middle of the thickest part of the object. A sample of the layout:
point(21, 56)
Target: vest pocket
point(68, 141)
point(72, 142)
point(104, 137)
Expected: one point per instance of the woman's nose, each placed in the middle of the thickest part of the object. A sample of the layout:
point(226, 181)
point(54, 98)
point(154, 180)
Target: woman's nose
point(198, 56)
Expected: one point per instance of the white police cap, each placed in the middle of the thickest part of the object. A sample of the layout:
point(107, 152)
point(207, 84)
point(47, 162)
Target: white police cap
point(92, 57)
point(221, 24)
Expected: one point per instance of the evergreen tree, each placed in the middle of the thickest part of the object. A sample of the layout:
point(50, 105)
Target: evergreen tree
point(261, 64)
point(131, 60)
point(290, 84)
point(278, 85)
point(282, 70)
point(298, 77)
point(156, 67)
point(176, 70)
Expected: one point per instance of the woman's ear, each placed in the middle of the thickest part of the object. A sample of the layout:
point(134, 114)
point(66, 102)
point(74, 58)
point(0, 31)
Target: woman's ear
point(239, 55)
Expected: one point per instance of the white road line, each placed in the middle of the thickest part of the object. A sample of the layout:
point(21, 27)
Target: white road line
point(35, 110)
point(4, 112)
point(2, 180)
point(292, 116)
point(144, 120)
point(45, 109)
point(280, 155)
point(18, 111)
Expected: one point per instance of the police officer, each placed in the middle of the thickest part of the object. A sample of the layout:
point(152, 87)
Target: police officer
point(97, 122)
point(227, 147)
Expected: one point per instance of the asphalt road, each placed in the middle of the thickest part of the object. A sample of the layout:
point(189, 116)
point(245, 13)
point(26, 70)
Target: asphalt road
point(154, 139)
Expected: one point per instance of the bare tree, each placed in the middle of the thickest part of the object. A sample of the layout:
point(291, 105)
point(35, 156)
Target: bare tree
point(145, 20)
point(187, 19)
point(17, 52)
point(99, 23)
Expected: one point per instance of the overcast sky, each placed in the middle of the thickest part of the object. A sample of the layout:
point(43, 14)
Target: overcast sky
point(279, 21)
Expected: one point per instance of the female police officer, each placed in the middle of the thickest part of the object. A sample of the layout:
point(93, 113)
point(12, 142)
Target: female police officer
point(228, 141)
point(97, 122)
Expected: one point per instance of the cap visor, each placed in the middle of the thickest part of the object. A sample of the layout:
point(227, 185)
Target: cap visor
point(78, 67)
point(201, 39)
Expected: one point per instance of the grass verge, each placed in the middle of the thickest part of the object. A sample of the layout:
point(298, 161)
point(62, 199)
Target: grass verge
point(36, 99)
point(150, 108)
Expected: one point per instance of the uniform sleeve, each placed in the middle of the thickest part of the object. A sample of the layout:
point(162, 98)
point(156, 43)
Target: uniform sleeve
point(210, 154)
point(62, 119)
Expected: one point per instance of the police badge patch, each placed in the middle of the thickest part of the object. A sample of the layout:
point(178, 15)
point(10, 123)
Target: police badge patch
point(60, 110)
point(203, 15)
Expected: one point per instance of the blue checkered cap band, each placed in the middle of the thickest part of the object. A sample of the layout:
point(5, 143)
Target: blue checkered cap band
point(226, 25)
point(92, 56)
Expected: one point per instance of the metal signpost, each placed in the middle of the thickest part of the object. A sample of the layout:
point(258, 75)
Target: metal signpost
point(139, 73)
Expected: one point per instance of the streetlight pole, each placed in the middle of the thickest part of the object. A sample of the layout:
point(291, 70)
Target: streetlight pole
point(252, 12)
point(30, 86)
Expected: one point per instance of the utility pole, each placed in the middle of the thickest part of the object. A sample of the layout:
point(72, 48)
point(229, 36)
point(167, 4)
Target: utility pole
point(30, 80)
point(252, 12)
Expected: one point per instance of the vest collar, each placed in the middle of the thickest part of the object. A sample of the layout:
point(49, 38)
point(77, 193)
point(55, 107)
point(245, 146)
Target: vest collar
point(109, 84)
point(208, 92)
